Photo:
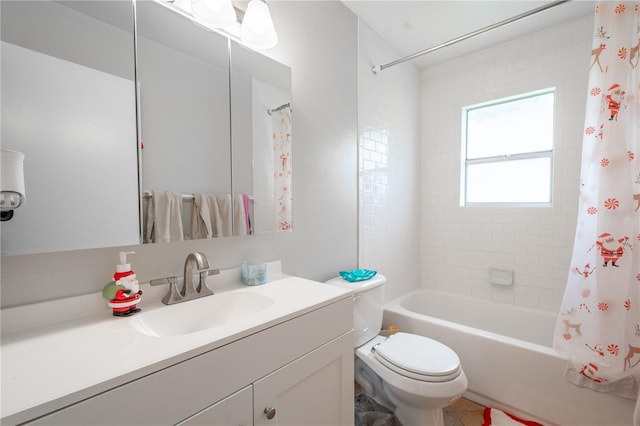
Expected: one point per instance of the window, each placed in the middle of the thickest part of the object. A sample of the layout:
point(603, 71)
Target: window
point(508, 151)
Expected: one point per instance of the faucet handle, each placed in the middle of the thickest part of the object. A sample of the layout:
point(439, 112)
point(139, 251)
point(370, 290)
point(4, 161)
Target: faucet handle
point(165, 280)
point(208, 272)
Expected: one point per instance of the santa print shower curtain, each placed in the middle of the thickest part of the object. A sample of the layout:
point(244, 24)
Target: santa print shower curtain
point(282, 167)
point(599, 320)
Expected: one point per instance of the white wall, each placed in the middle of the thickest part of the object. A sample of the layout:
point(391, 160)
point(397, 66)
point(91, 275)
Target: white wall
point(324, 241)
point(459, 244)
point(389, 181)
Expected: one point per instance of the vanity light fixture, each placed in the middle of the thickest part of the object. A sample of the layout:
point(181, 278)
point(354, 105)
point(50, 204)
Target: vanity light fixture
point(257, 29)
point(12, 192)
point(216, 13)
point(253, 26)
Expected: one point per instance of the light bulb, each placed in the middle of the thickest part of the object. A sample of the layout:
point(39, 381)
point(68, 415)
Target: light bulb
point(257, 29)
point(216, 13)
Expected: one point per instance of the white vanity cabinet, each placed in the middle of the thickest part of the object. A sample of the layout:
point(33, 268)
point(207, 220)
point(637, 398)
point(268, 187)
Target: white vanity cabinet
point(302, 367)
point(315, 389)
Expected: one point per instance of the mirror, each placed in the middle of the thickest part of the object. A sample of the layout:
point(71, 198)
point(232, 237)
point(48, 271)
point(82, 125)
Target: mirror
point(183, 73)
point(68, 104)
point(262, 138)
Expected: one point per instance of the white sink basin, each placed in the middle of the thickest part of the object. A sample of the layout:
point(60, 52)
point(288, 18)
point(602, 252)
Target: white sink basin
point(200, 314)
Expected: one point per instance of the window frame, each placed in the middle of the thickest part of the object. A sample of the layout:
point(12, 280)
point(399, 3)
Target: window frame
point(465, 162)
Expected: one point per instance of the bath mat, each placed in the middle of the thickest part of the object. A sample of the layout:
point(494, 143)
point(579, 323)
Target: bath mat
point(493, 417)
point(370, 413)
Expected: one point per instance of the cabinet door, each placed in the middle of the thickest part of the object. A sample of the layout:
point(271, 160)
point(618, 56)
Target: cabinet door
point(316, 389)
point(235, 410)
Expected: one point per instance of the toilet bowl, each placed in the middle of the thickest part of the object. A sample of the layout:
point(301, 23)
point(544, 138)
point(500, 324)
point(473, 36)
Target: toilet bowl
point(418, 381)
point(413, 375)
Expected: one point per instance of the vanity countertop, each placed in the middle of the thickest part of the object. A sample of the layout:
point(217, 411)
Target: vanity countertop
point(51, 362)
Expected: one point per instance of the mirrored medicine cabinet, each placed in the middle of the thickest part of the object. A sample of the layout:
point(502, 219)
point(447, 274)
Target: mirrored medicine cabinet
point(108, 119)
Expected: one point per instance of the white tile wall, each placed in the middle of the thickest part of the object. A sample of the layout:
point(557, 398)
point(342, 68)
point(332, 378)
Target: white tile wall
point(460, 244)
point(389, 144)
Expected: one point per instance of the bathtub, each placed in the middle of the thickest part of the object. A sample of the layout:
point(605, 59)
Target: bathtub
point(506, 354)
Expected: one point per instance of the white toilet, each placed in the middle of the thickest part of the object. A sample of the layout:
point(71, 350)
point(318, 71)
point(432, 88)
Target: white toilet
point(413, 375)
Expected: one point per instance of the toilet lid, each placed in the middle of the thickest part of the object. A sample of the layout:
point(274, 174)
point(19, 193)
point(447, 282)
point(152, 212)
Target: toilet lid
point(419, 358)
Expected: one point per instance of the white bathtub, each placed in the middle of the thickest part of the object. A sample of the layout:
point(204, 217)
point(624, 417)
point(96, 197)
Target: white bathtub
point(506, 354)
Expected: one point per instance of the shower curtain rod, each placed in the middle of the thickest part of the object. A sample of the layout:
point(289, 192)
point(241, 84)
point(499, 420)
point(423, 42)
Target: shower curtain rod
point(377, 68)
point(283, 106)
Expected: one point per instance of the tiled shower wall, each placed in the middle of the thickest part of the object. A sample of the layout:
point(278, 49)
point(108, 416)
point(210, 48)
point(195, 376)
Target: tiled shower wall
point(388, 177)
point(460, 244)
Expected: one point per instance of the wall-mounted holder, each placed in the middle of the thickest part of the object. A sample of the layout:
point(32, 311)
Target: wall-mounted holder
point(12, 193)
point(503, 277)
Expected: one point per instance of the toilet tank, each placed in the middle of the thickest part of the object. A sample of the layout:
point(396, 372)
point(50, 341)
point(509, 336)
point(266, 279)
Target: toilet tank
point(368, 306)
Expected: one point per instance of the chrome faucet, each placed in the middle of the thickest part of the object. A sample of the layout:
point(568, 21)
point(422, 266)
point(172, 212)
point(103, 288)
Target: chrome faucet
point(195, 263)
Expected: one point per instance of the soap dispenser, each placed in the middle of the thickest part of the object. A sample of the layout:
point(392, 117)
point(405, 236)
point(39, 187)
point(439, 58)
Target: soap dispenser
point(123, 293)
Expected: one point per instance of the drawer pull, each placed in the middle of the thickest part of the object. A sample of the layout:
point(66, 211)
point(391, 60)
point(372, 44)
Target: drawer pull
point(270, 412)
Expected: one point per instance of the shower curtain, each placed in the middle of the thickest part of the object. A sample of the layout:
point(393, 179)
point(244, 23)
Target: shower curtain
point(599, 321)
point(282, 175)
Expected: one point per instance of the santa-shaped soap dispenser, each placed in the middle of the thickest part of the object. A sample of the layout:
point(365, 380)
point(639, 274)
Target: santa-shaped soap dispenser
point(123, 293)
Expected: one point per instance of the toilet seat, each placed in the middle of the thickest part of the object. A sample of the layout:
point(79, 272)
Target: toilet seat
point(419, 358)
